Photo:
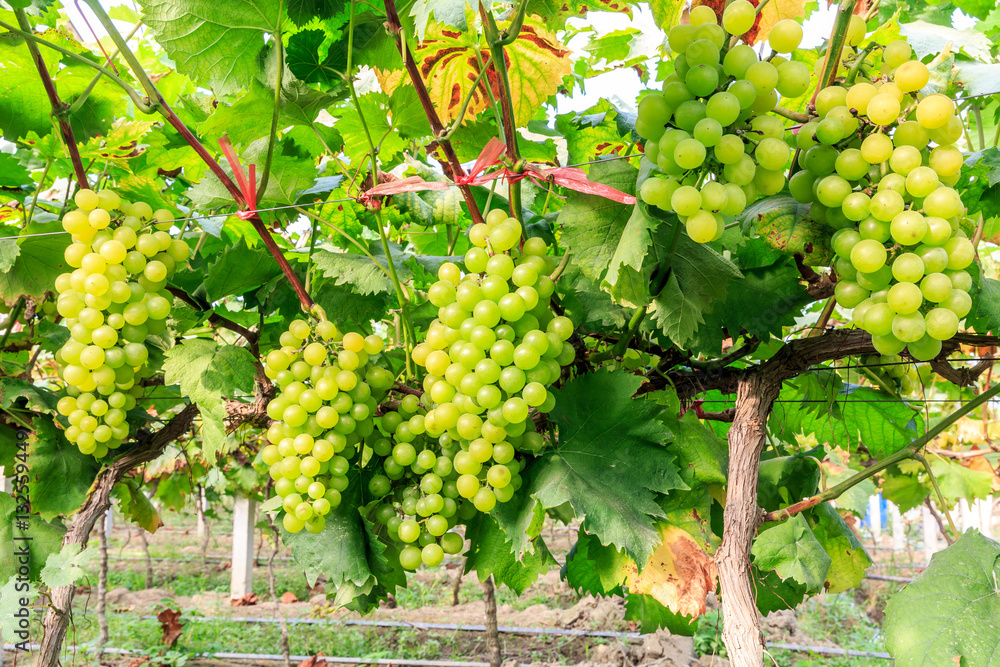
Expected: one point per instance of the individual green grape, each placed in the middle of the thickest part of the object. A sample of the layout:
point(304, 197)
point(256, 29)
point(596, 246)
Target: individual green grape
point(738, 17)
point(785, 36)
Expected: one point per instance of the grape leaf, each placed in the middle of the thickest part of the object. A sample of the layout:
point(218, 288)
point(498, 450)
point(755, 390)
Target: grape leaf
point(249, 118)
point(928, 622)
point(881, 421)
point(792, 550)
point(592, 133)
point(356, 564)
point(40, 538)
point(678, 575)
point(699, 277)
point(488, 554)
point(238, 270)
point(594, 568)
point(206, 374)
point(702, 456)
point(15, 596)
point(848, 558)
point(904, 490)
point(217, 44)
point(60, 474)
point(378, 115)
point(651, 616)
point(957, 481)
point(930, 39)
point(536, 65)
point(785, 225)
point(136, 507)
point(66, 566)
point(39, 261)
point(358, 272)
point(608, 464)
point(24, 106)
point(446, 12)
point(12, 174)
point(592, 226)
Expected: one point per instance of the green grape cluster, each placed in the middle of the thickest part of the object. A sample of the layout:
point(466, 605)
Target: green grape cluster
point(330, 389)
point(877, 165)
point(115, 296)
point(707, 133)
point(418, 488)
point(436, 457)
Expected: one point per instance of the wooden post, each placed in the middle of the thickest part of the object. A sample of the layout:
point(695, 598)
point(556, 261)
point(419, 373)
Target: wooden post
point(930, 532)
point(984, 506)
point(875, 517)
point(244, 518)
point(898, 528)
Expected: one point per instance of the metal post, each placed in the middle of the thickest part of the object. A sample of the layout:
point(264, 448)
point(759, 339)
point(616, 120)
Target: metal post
point(898, 528)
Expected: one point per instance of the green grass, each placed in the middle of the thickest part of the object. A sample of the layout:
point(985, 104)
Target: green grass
point(837, 619)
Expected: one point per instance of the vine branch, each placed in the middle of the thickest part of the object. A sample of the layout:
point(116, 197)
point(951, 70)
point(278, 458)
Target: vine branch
point(58, 106)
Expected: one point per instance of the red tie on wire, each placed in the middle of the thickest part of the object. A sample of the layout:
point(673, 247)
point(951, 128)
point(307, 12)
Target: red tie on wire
point(248, 186)
point(568, 177)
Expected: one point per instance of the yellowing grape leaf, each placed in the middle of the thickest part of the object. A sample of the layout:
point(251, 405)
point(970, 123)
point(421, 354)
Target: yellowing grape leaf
point(536, 65)
point(678, 574)
point(774, 11)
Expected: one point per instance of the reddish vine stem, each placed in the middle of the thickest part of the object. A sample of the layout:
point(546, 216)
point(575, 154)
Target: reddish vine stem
point(160, 104)
point(437, 127)
point(58, 106)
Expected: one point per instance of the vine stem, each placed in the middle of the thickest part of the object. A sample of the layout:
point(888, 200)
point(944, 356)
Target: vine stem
point(908, 452)
point(437, 127)
point(937, 490)
point(58, 106)
point(838, 37)
point(15, 313)
point(82, 99)
point(409, 335)
point(793, 115)
point(160, 104)
point(496, 45)
point(852, 73)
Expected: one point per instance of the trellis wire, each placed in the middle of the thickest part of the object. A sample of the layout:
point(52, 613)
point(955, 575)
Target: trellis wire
point(271, 657)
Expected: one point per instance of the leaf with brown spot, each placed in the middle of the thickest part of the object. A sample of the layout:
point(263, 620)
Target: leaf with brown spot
point(679, 575)
point(536, 65)
point(979, 463)
point(170, 625)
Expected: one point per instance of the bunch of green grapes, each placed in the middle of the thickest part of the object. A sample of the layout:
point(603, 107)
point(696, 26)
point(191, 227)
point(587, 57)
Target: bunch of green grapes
point(708, 134)
point(418, 487)
point(115, 296)
point(877, 166)
point(490, 356)
point(330, 389)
